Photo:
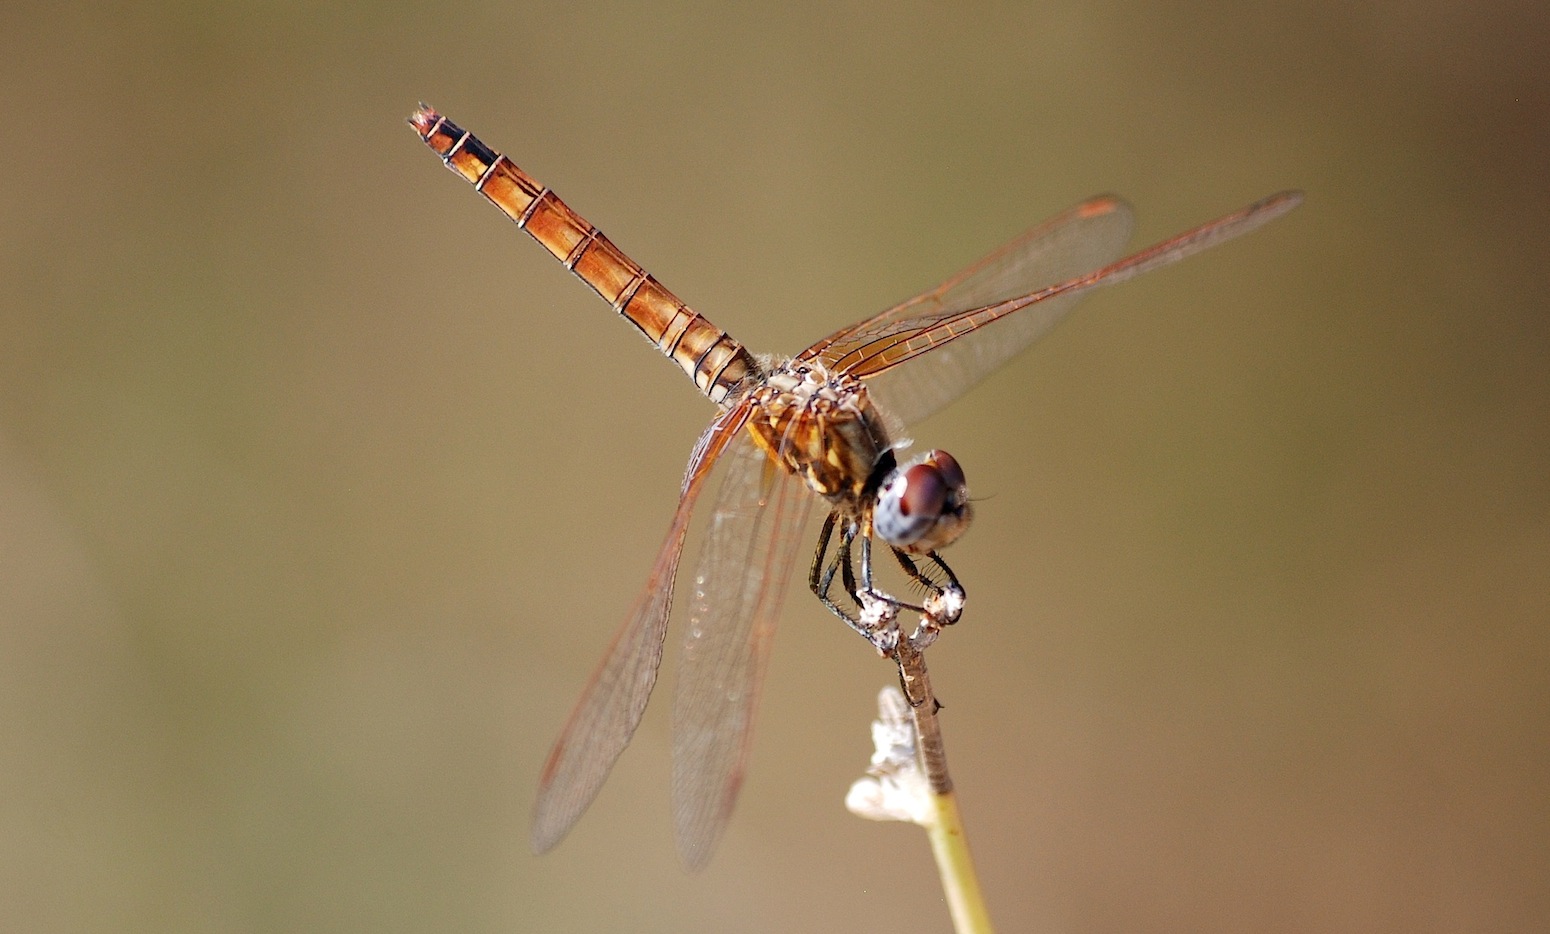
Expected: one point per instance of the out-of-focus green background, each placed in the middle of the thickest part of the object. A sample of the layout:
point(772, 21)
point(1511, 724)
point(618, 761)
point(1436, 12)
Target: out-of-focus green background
point(322, 488)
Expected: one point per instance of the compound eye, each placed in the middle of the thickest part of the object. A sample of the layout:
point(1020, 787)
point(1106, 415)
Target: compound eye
point(947, 465)
point(923, 506)
point(925, 492)
point(908, 504)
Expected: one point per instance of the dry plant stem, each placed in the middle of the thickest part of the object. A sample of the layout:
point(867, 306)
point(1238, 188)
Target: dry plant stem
point(944, 828)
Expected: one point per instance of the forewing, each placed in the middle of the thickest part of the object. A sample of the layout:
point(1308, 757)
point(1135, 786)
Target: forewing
point(1084, 238)
point(612, 703)
point(750, 548)
point(969, 348)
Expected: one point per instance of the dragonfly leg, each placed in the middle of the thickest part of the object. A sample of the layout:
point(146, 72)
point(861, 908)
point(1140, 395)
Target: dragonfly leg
point(869, 593)
point(874, 618)
point(942, 607)
point(945, 602)
point(820, 578)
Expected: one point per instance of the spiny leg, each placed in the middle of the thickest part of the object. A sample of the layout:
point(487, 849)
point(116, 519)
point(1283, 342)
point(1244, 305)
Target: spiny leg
point(878, 610)
point(942, 607)
point(820, 578)
point(874, 618)
point(846, 566)
point(871, 593)
point(952, 579)
point(936, 591)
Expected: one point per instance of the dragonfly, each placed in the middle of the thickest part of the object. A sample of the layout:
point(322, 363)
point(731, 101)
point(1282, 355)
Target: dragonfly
point(824, 428)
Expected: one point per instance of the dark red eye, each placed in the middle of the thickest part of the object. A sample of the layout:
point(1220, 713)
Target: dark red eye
point(923, 505)
point(924, 491)
point(952, 474)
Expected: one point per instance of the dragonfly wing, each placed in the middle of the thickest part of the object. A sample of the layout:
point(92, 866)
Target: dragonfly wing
point(750, 548)
point(1086, 237)
point(612, 703)
point(971, 344)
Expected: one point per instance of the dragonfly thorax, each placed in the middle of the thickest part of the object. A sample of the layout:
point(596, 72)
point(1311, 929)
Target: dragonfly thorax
point(822, 427)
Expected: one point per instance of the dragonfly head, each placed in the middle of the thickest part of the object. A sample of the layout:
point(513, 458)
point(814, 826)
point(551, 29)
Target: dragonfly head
point(923, 506)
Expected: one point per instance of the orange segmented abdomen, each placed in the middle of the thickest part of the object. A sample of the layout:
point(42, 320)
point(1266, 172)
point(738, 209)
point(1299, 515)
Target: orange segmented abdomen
point(716, 362)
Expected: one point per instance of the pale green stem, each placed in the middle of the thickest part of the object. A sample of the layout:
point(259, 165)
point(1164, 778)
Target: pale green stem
point(944, 827)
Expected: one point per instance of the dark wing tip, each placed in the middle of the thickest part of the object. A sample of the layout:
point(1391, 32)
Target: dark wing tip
point(1099, 205)
point(1280, 202)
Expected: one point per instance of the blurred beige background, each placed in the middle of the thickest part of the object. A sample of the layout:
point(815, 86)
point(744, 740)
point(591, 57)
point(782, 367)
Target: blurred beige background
point(322, 488)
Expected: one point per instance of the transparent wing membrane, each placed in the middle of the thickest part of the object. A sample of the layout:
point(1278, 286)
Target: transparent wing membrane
point(964, 349)
point(1083, 238)
point(749, 552)
point(614, 699)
